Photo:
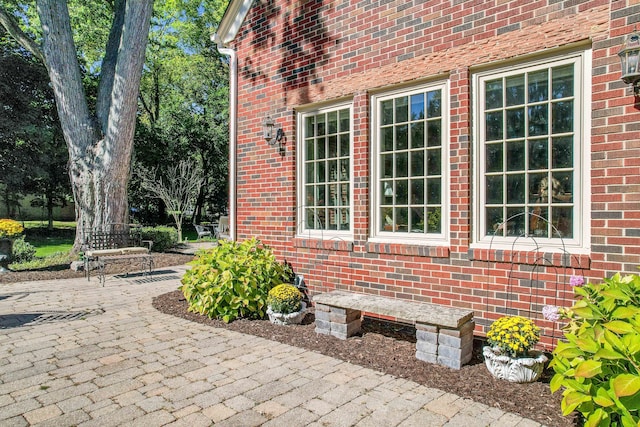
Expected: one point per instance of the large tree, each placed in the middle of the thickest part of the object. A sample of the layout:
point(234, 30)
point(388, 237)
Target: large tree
point(99, 135)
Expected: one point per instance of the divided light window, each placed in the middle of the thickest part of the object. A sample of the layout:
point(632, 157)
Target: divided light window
point(530, 126)
point(410, 178)
point(326, 171)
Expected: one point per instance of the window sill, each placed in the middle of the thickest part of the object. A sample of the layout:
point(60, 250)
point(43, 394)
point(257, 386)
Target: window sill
point(329, 245)
point(531, 257)
point(407, 249)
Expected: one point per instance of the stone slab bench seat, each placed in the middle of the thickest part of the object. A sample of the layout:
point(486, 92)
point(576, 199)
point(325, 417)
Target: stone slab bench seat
point(444, 335)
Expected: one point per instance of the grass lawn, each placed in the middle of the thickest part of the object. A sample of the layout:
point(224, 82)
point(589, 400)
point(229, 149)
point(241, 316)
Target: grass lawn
point(45, 224)
point(49, 245)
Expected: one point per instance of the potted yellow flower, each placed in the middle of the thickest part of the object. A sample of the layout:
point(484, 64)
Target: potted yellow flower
point(285, 305)
point(508, 355)
point(9, 230)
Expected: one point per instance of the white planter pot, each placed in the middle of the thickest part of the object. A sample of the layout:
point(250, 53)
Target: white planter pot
point(518, 369)
point(287, 319)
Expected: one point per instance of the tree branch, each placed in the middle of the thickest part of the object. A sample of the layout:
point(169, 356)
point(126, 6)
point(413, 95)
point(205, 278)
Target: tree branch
point(11, 25)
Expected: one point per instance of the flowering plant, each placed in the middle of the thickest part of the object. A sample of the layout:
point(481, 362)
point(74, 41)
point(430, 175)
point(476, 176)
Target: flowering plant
point(514, 335)
point(10, 228)
point(285, 299)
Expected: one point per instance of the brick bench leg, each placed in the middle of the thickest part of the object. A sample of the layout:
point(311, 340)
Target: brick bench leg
point(339, 322)
point(449, 347)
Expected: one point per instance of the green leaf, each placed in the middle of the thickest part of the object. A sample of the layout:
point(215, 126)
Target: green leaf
point(572, 400)
point(556, 382)
point(596, 418)
point(584, 312)
point(589, 368)
point(619, 327)
point(616, 294)
point(625, 385)
point(604, 353)
point(587, 344)
point(624, 312)
point(602, 398)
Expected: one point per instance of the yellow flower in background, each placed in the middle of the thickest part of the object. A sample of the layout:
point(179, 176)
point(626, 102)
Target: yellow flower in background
point(10, 228)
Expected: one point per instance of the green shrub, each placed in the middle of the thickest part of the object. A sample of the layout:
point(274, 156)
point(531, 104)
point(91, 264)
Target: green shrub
point(163, 238)
point(599, 362)
point(23, 251)
point(56, 261)
point(232, 280)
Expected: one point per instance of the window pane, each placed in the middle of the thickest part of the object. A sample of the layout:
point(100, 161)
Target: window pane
point(434, 220)
point(434, 101)
point(333, 146)
point(386, 219)
point(310, 129)
point(332, 119)
point(562, 114)
point(387, 192)
point(493, 123)
point(310, 175)
point(402, 192)
point(515, 90)
point(344, 170)
point(402, 219)
point(310, 195)
point(494, 157)
point(320, 148)
point(515, 123)
point(515, 222)
point(402, 137)
point(434, 162)
point(333, 195)
point(320, 172)
point(539, 222)
point(344, 195)
point(333, 170)
point(417, 106)
point(538, 185)
point(386, 139)
point(402, 164)
point(387, 166)
point(538, 86)
point(417, 135)
point(321, 123)
point(562, 78)
point(402, 109)
point(494, 189)
point(417, 191)
point(493, 94)
point(344, 144)
point(494, 221)
point(310, 149)
point(417, 220)
point(562, 188)
point(516, 189)
point(434, 191)
point(321, 195)
point(515, 156)
point(538, 120)
point(387, 112)
point(538, 154)
point(434, 138)
point(417, 163)
point(562, 152)
point(563, 222)
point(344, 121)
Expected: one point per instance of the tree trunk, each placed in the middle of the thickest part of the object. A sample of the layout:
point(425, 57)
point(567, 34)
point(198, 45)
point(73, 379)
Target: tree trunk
point(100, 146)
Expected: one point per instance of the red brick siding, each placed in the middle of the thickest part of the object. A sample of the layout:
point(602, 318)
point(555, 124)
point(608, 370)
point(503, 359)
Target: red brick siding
point(293, 54)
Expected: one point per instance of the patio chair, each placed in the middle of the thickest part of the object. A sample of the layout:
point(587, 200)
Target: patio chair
point(222, 230)
point(202, 230)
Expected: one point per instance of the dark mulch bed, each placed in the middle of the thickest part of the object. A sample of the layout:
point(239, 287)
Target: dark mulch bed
point(384, 346)
point(64, 272)
point(390, 348)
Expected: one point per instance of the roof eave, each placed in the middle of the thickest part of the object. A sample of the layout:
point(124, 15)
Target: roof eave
point(231, 21)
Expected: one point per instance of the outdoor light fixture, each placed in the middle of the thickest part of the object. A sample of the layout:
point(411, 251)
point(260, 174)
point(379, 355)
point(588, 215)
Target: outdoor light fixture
point(273, 134)
point(630, 61)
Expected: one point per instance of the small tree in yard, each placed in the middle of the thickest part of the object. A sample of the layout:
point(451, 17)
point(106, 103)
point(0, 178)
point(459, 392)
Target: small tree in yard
point(178, 188)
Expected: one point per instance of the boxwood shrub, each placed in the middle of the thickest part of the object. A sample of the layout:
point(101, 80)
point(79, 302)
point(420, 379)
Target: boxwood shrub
point(163, 238)
point(232, 280)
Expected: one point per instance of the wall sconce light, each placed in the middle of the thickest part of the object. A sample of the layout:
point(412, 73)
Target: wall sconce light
point(630, 61)
point(273, 134)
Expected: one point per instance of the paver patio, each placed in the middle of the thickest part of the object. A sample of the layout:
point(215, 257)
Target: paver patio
point(74, 353)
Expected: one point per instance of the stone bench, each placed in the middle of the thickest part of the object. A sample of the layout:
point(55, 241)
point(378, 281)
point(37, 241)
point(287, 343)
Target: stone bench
point(444, 334)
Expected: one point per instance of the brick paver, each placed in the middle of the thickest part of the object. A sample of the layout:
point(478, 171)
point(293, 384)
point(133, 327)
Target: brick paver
point(75, 353)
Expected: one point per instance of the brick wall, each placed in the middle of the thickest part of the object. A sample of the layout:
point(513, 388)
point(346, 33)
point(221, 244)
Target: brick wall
point(293, 54)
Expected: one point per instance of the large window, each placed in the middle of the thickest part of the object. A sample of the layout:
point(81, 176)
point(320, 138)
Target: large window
point(324, 173)
point(410, 174)
point(530, 145)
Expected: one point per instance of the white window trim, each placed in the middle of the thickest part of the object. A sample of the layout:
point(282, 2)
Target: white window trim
point(579, 244)
point(301, 231)
point(432, 239)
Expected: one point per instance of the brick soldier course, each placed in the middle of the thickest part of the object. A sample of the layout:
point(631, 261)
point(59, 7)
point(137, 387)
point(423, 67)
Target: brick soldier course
point(75, 353)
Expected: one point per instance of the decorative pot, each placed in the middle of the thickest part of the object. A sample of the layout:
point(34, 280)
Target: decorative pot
point(6, 249)
point(289, 318)
point(514, 369)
